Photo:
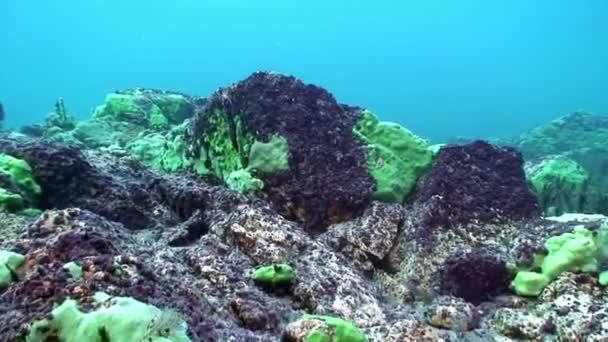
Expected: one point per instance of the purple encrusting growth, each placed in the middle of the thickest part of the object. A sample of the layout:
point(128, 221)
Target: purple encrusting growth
point(475, 275)
point(327, 180)
point(476, 183)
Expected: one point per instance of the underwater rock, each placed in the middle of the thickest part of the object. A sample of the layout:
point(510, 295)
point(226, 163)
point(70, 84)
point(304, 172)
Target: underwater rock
point(124, 116)
point(368, 239)
point(452, 313)
point(475, 275)
point(570, 132)
point(476, 182)
point(104, 250)
point(327, 178)
point(329, 159)
point(69, 180)
point(121, 190)
point(564, 186)
point(580, 136)
point(60, 118)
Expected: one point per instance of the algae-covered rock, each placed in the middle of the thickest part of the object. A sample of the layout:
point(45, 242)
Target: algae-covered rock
point(122, 320)
point(567, 133)
point(18, 188)
point(162, 151)
point(146, 107)
point(10, 262)
point(327, 177)
point(323, 328)
point(476, 182)
point(564, 186)
point(581, 136)
point(134, 110)
point(60, 117)
point(320, 161)
point(96, 133)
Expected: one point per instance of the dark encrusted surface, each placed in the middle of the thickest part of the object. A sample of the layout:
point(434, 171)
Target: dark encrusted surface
point(120, 190)
point(475, 275)
point(328, 178)
point(476, 182)
point(69, 180)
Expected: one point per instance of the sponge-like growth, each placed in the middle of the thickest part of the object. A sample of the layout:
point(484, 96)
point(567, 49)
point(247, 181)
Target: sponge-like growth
point(564, 186)
point(9, 201)
point(340, 330)
point(243, 181)
point(123, 320)
point(396, 157)
point(226, 144)
point(18, 189)
point(9, 263)
point(20, 173)
point(269, 157)
point(574, 252)
point(274, 274)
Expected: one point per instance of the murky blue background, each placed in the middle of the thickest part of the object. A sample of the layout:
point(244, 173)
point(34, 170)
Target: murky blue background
point(442, 68)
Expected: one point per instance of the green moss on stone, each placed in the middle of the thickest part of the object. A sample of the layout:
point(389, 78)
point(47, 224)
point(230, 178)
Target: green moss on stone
point(124, 320)
point(243, 181)
point(74, 269)
point(223, 154)
point(564, 186)
point(10, 262)
point(175, 107)
point(118, 107)
point(581, 250)
point(10, 202)
point(269, 157)
point(343, 331)
point(274, 274)
point(20, 173)
point(396, 157)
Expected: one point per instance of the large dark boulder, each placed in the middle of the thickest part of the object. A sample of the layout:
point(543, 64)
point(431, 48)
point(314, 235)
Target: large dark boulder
point(476, 183)
point(325, 177)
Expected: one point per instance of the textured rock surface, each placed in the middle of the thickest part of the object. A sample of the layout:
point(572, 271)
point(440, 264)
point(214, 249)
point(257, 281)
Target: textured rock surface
point(369, 238)
point(453, 314)
point(476, 182)
point(327, 178)
point(432, 269)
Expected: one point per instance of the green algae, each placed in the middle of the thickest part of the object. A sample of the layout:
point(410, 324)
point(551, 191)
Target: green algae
point(396, 157)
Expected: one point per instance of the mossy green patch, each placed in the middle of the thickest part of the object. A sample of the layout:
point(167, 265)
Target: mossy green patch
point(175, 107)
point(564, 186)
point(231, 153)
point(269, 157)
point(343, 331)
point(396, 157)
point(119, 107)
point(581, 250)
point(10, 262)
point(121, 320)
point(9, 201)
point(274, 274)
point(243, 181)
point(226, 144)
point(20, 173)
point(74, 269)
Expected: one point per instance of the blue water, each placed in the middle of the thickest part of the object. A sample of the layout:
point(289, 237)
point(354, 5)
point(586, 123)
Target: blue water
point(442, 68)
